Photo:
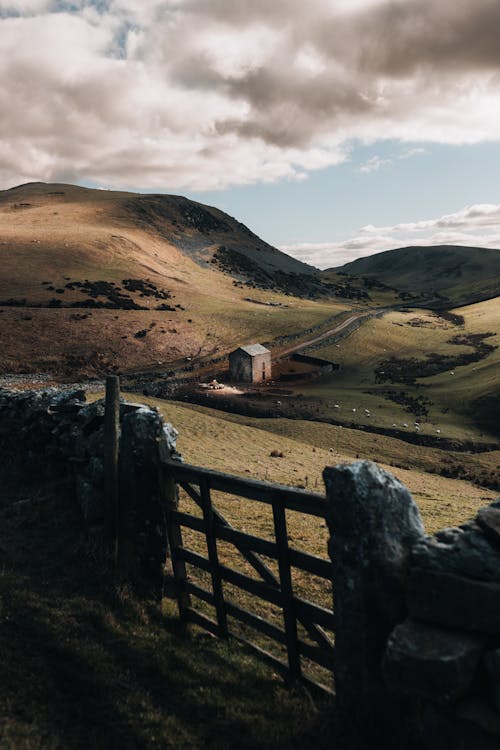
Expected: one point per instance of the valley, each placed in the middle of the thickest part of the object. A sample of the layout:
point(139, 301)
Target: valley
point(161, 289)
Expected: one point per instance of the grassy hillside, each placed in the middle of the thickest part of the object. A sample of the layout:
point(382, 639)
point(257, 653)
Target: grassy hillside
point(407, 366)
point(459, 274)
point(91, 280)
point(243, 446)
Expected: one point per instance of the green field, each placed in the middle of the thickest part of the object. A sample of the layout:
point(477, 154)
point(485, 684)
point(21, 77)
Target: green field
point(241, 445)
point(413, 337)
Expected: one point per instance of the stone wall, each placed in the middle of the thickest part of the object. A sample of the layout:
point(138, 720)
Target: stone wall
point(418, 617)
point(58, 435)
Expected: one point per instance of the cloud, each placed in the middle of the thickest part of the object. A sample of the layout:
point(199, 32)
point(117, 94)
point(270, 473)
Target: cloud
point(473, 226)
point(376, 162)
point(199, 95)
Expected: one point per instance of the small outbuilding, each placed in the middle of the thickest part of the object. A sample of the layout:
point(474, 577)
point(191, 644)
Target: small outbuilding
point(250, 364)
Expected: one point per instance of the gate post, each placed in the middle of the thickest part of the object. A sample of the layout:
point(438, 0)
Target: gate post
point(143, 528)
point(373, 523)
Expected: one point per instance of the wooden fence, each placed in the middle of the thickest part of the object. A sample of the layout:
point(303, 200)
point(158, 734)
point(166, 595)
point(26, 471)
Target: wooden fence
point(276, 589)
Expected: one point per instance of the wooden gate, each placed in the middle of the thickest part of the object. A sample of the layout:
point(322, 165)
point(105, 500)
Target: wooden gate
point(275, 587)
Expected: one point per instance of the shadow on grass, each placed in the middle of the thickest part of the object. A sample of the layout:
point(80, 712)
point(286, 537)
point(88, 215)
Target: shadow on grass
point(88, 665)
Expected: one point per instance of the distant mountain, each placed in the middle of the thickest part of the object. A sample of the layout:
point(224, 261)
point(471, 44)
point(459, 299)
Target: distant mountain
point(459, 274)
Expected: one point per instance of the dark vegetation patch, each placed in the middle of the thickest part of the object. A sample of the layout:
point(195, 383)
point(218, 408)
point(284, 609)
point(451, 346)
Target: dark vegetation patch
point(249, 273)
point(370, 283)
point(417, 405)
point(112, 296)
point(452, 468)
point(145, 288)
point(106, 295)
point(160, 214)
point(454, 318)
point(399, 370)
point(169, 308)
point(199, 218)
point(486, 411)
point(11, 302)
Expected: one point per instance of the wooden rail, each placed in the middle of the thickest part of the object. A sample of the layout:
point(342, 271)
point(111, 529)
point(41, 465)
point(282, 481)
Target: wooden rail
point(199, 483)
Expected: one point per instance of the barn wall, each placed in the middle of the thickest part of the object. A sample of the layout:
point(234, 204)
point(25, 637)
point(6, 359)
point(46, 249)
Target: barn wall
point(258, 361)
point(240, 366)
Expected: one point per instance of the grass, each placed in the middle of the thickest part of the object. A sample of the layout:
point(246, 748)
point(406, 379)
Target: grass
point(241, 445)
point(86, 663)
point(450, 396)
point(244, 446)
point(95, 235)
point(460, 273)
point(90, 664)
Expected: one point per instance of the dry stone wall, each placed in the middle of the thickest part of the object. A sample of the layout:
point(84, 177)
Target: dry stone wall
point(57, 434)
point(418, 617)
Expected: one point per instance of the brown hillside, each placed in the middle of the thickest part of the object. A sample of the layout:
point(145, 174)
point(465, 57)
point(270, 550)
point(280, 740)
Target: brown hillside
point(92, 279)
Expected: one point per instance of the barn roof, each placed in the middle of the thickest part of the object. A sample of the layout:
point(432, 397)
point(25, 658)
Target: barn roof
point(254, 349)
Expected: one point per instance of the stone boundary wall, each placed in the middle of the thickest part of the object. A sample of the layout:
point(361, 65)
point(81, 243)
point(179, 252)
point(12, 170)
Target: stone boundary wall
point(418, 617)
point(343, 334)
point(58, 435)
point(325, 365)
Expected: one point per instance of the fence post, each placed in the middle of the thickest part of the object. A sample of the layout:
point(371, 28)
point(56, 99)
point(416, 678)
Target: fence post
point(279, 517)
point(111, 456)
point(373, 523)
point(170, 498)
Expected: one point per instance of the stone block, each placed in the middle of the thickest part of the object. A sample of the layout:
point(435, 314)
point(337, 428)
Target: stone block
point(374, 523)
point(492, 661)
point(462, 551)
point(431, 662)
point(488, 519)
point(454, 601)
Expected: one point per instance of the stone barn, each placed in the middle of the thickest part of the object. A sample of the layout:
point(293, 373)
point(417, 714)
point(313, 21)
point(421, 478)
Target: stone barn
point(250, 364)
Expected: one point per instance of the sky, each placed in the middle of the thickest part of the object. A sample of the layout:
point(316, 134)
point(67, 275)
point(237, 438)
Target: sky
point(332, 128)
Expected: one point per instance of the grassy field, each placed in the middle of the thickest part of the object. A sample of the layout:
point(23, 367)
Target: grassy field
point(240, 445)
point(413, 337)
point(245, 446)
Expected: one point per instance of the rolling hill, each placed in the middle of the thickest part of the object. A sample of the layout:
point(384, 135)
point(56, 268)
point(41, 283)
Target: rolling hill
point(457, 275)
point(92, 280)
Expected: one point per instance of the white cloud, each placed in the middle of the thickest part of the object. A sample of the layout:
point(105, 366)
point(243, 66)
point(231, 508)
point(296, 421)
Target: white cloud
point(473, 226)
point(194, 94)
point(374, 164)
